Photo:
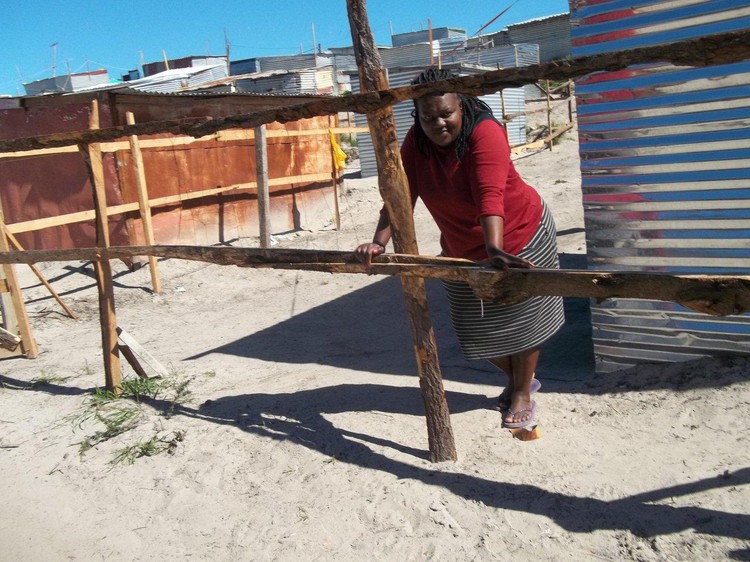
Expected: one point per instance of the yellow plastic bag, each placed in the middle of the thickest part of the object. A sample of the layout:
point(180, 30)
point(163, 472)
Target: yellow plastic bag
point(339, 156)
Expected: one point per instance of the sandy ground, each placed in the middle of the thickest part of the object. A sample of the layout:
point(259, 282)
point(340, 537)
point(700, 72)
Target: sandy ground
point(291, 426)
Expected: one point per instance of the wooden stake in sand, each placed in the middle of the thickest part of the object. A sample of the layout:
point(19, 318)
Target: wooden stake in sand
point(144, 206)
point(394, 190)
point(261, 175)
point(14, 241)
point(549, 113)
point(16, 313)
point(335, 176)
point(92, 157)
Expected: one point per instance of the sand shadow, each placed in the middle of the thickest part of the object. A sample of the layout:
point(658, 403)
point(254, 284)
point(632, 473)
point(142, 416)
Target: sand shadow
point(368, 329)
point(300, 418)
point(87, 270)
point(42, 385)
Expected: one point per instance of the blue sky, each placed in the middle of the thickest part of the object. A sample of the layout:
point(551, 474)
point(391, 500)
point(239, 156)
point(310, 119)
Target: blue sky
point(118, 35)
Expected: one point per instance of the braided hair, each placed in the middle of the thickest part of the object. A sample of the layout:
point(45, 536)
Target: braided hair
point(473, 110)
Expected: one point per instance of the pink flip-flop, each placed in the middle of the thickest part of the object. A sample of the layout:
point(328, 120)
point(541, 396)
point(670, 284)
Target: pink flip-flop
point(525, 423)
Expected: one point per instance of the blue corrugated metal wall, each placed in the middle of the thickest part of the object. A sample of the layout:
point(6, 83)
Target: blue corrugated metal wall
point(665, 162)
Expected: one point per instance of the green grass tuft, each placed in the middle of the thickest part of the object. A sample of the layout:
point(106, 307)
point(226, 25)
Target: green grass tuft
point(112, 415)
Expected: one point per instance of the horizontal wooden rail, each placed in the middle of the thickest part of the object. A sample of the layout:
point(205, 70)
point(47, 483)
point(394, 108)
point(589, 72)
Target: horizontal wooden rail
point(83, 216)
point(719, 295)
point(221, 136)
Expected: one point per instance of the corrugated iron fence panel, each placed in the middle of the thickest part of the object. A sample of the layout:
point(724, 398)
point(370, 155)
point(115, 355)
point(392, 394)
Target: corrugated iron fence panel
point(665, 163)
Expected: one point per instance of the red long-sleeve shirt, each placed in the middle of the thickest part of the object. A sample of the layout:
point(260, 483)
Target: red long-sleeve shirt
point(484, 183)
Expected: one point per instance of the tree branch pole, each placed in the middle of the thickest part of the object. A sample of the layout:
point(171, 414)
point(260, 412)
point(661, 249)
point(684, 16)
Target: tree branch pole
point(395, 192)
point(722, 48)
point(719, 295)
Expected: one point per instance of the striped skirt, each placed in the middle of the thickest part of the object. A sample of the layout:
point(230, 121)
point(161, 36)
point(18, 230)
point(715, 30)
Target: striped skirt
point(485, 329)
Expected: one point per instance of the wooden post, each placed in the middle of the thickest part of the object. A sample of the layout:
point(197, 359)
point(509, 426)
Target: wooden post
point(144, 205)
point(570, 108)
point(261, 175)
point(336, 209)
point(394, 190)
point(19, 308)
point(429, 39)
point(502, 107)
point(549, 115)
point(92, 157)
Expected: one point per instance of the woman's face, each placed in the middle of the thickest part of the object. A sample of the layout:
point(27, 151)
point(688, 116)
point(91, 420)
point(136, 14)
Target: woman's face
point(440, 117)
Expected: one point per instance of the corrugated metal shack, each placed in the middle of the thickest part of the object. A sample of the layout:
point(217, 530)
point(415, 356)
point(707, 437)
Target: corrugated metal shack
point(44, 187)
point(151, 68)
point(67, 82)
point(404, 63)
point(666, 174)
point(280, 62)
point(423, 35)
point(178, 79)
point(287, 74)
point(512, 97)
point(287, 82)
point(552, 34)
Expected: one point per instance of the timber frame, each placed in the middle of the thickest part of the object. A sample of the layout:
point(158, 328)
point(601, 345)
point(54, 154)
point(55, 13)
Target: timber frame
point(721, 295)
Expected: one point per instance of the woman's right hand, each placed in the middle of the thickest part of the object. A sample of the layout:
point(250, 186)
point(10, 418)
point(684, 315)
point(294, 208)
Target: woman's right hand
point(505, 261)
point(365, 252)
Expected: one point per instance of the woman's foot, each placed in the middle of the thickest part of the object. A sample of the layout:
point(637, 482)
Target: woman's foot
point(521, 412)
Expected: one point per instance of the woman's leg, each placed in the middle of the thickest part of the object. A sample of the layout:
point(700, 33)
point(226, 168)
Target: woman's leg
point(523, 366)
point(505, 365)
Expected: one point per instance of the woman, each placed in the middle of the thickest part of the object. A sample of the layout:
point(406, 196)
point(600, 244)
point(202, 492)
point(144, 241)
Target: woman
point(457, 160)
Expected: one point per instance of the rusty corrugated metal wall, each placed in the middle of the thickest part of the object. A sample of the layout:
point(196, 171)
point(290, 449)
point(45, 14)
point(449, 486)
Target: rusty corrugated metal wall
point(40, 187)
point(665, 162)
point(47, 186)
